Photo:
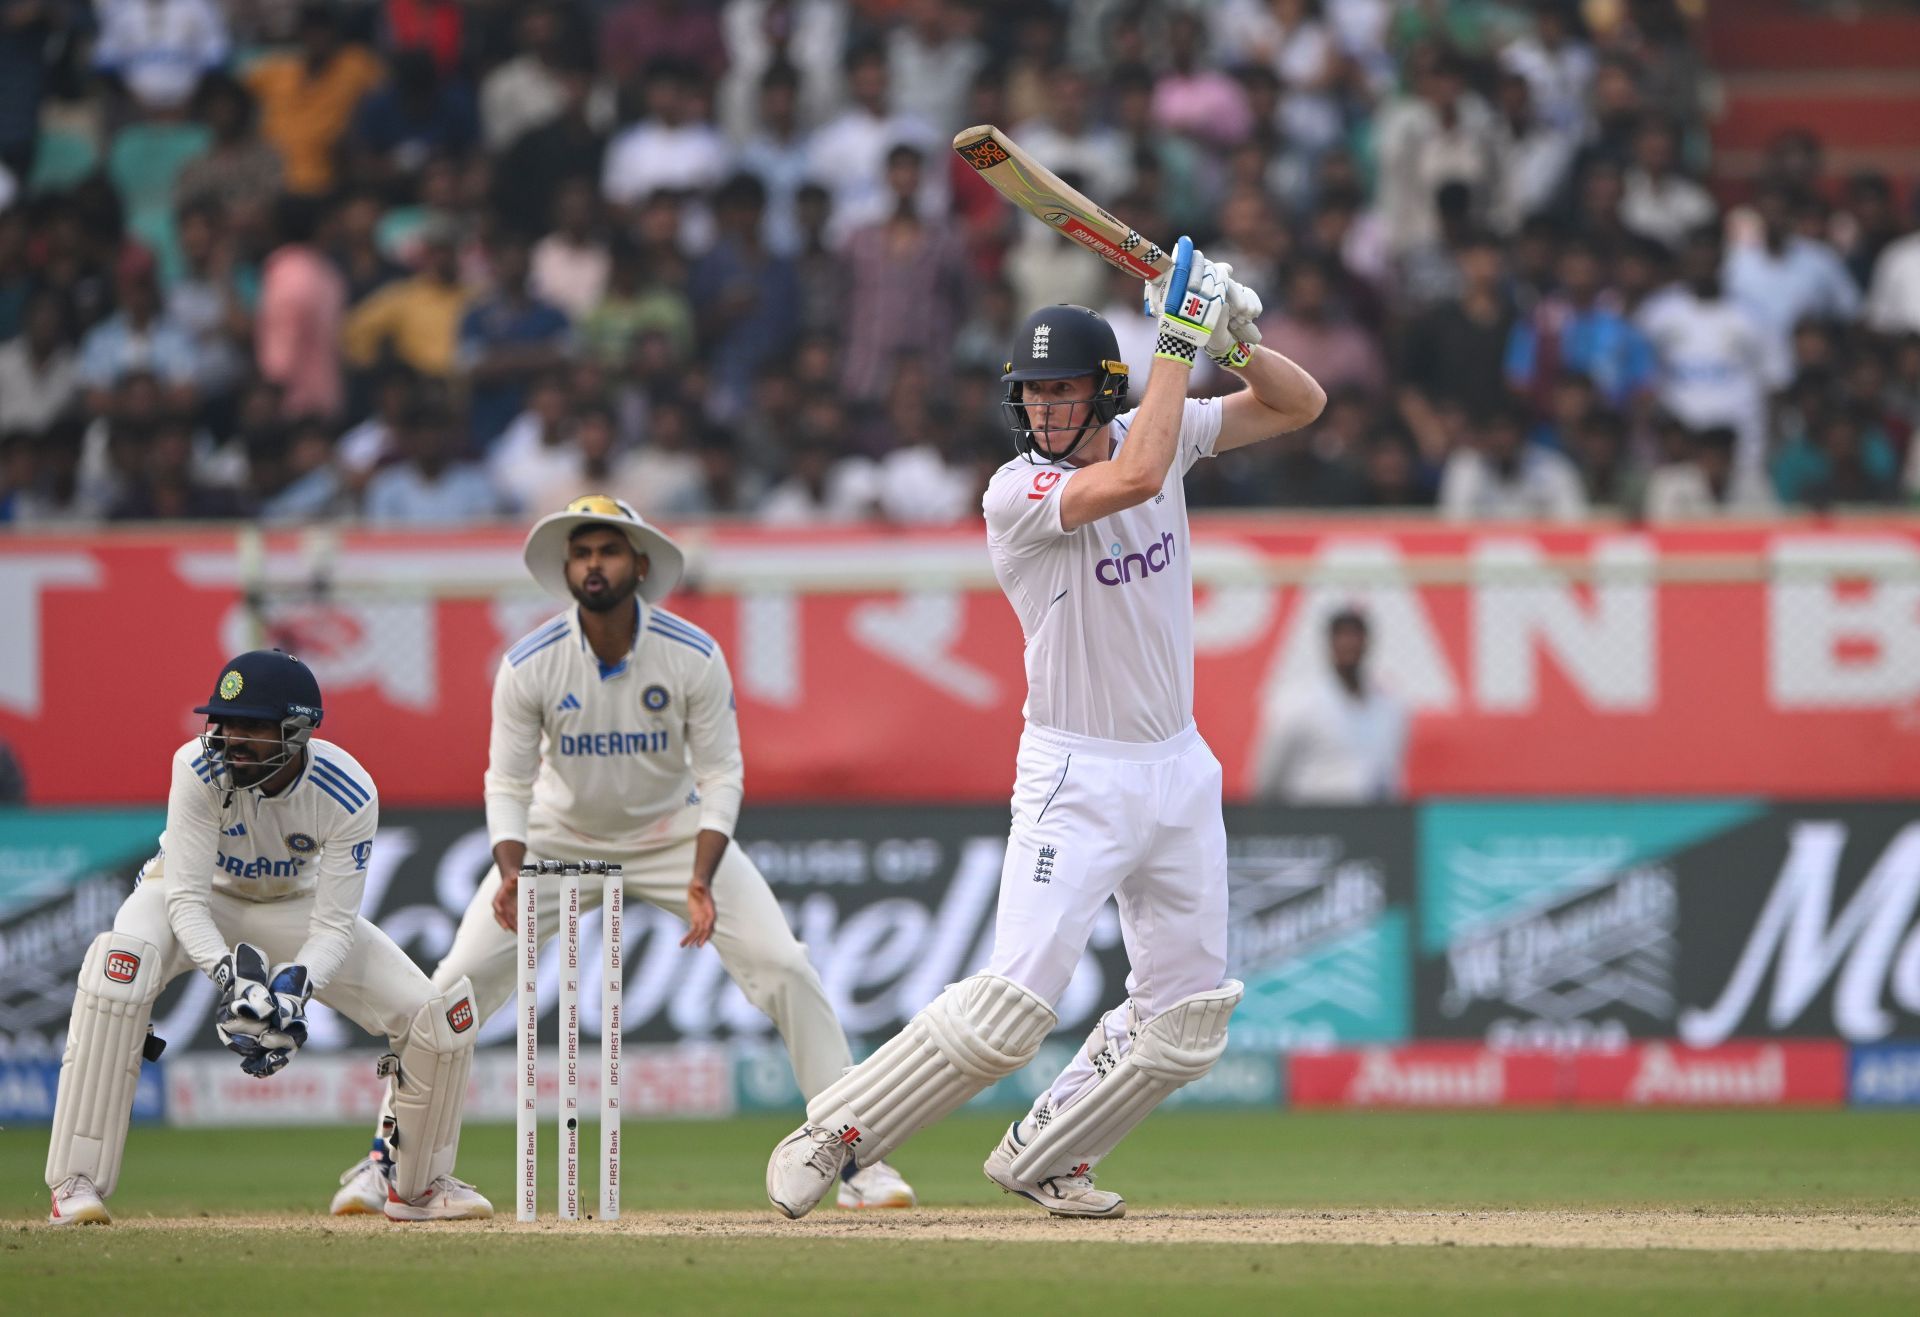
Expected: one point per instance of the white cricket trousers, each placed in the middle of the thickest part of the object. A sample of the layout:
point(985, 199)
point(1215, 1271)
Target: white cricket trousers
point(1140, 823)
point(377, 987)
point(757, 947)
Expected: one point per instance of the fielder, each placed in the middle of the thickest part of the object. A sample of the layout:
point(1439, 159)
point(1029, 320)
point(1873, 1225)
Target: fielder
point(1116, 794)
point(614, 739)
point(264, 858)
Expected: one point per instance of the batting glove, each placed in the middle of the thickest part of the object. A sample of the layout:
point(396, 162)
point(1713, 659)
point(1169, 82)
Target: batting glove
point(1190, 300)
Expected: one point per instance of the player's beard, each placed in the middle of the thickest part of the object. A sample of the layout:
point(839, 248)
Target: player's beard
point(608, 599)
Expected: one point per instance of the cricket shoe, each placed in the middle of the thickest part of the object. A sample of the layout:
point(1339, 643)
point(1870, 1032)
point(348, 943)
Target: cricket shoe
point(803, 1167)
point(1061, 1195)
point(77, 1203)
point(446, 1199)
point(363, 1188)
point(878, 1185)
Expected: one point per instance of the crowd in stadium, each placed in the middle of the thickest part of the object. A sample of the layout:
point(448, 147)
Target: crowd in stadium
point(430, 262)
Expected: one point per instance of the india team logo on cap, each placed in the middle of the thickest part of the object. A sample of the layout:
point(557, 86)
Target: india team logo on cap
point(231, 685)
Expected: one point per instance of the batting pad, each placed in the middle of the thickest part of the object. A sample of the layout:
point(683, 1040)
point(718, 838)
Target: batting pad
point(119, 981)
point(429, 1089)
point(977, 1031)
point(1169, 1051)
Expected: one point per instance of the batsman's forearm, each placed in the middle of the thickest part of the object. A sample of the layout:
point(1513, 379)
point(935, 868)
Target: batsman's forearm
point(1282, 386)
point(1148, 453)
point(708, 849)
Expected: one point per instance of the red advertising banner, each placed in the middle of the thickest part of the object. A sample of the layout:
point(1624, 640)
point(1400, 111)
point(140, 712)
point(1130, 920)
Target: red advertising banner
point(1799, 1072)
point(1780, 661)
point(1444, 1075)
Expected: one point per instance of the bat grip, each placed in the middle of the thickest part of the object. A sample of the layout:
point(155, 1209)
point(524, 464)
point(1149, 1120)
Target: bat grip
point(1182, 270)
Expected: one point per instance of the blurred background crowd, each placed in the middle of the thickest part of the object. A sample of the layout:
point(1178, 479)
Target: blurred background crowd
point(439, 261)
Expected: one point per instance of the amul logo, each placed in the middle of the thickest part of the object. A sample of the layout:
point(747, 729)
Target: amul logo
point(1123, 567)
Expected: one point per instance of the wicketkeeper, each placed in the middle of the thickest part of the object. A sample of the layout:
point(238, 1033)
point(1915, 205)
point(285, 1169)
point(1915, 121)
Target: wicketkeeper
point(264, 860)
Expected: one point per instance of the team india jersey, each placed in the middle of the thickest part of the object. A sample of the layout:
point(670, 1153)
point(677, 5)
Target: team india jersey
point(313, 839)
point(1107, 609)
point(644, 751)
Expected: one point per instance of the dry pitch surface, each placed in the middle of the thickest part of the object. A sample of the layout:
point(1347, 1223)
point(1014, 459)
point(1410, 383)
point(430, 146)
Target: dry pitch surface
point(1620, 1229)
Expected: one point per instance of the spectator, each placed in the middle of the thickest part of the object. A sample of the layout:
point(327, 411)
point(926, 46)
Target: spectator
point(143, 164)
point(430, 484)
point(1580, 328)
point(1707, 482)
point(640, 36)
point(27, 28)
point(1611, 480)
point(376, 439)
point(307, 98)
point(823, 487)
point(852, 152)
point(158, 49)
point(664, 477)
point(415, 321)
point(207, 302)
point(238, 171)
point(311, 484)
point(529, 90)
point(1457, 351)
point(1501, 477)
point(1784, 279)
point(1844, 459)
point(570, 264)
point(533, 451)
point(568, 146)
point(931, 61)
point(1441, 134)
point(138, 337)
point(1535, 158)
point(673, 149)
point(354, 245)
point(1193, 100)
point(1557, 66)
point(906, 280)
point(1073, 141)
point(1717, 364)
point(1658, 201)
point(302, 305)
point(750, 297)
point(1390, 473)
point(167, 489)
point(39, 374)
point(1324, 343)
point(417, 114)
point(591, 434)
point(810, 36)
point(640, 300)
point(506, 340)
point(1871, 224)
point(1339, 738)
point(1893, 304)
point(777, 155)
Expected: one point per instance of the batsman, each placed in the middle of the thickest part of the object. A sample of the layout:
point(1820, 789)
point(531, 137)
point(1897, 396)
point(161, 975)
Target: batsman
point(264, 860)
point(614, 738)
point(1116, 796)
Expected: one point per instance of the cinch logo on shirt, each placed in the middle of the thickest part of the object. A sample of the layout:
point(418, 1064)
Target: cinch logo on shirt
point(1121, 568)
point(260, 868)
point(613, 743)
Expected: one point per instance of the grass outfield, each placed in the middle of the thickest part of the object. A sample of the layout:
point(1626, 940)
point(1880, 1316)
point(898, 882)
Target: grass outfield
point(1821, 1206)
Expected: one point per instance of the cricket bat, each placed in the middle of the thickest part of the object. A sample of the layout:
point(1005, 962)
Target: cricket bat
point(1037, 190)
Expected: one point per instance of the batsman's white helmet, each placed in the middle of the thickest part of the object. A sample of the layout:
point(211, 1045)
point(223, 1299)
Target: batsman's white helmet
point(546, 551)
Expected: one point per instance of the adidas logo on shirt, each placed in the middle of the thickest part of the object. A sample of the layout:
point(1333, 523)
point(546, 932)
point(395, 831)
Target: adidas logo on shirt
point(237, 830)
point(569, 704)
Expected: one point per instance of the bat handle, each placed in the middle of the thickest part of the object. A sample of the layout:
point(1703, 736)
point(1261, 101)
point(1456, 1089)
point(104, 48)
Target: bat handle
point(1182, 270)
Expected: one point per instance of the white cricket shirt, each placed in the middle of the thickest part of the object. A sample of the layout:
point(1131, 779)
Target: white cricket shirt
point(1107, 609)
point(645, 751)
point(313, 839)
